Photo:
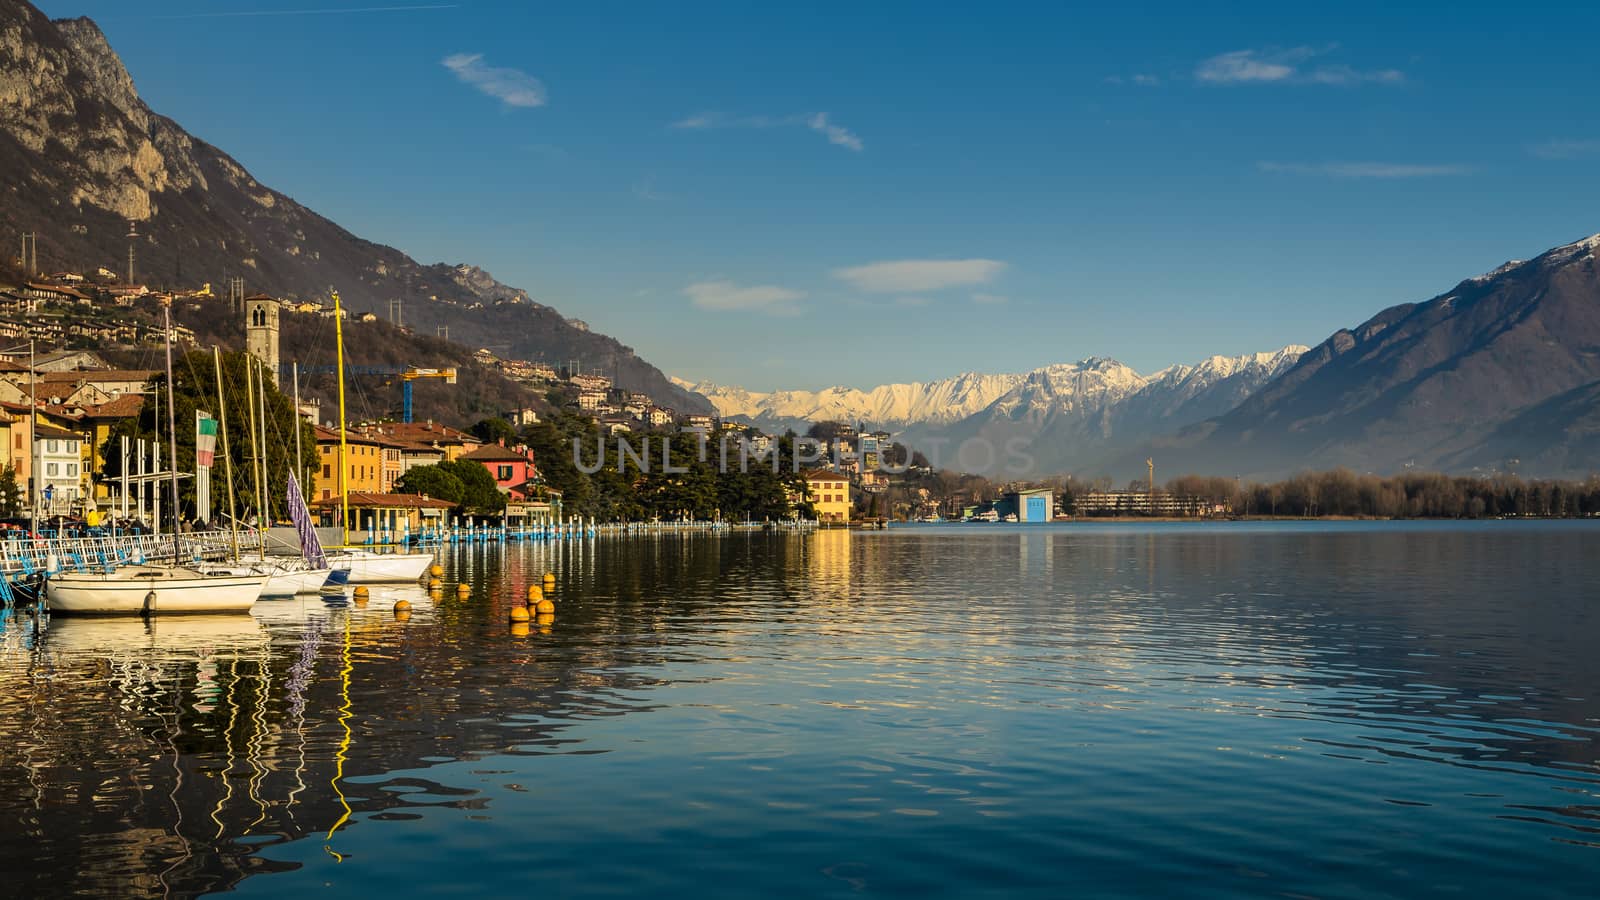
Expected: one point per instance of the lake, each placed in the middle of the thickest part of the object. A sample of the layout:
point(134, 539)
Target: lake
point(1316, 709)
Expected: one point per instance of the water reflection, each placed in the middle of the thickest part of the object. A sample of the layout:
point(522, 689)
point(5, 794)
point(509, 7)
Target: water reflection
point(1028, 701)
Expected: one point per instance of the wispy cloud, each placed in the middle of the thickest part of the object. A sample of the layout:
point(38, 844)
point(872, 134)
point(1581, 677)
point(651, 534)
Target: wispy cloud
point(1364, 169)
point(1566, 149)
point(513, 87)
point(819, 122)
point(725, 296)
point(836, 134)
point(904, 276)
point(1287, 66)
point(990, 299)
point(309, 12)
point(1138, 79)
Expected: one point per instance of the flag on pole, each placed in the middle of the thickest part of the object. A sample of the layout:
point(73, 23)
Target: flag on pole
point(205, 439)
point(205, 451)
point(310, 547)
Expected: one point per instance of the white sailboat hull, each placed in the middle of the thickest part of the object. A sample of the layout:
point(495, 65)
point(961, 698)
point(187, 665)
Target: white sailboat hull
point(381, 568)
point(303, 581)
point(133, 590)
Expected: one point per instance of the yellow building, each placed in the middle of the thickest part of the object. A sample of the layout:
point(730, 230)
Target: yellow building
point(364, 463)
point(830, 495)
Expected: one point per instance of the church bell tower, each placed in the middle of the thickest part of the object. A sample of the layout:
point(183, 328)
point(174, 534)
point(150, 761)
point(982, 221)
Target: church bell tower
point(261, 331)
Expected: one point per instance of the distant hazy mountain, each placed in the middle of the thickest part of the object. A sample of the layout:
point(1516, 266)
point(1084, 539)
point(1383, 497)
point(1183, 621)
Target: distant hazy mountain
point(82, 156)
point(1066, 414)
point(1502, 372)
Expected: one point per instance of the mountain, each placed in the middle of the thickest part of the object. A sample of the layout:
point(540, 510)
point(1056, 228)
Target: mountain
point(82, 157)
point(1060, 416)
point(1073, 417)
point(1502, 371)
point(885, 406)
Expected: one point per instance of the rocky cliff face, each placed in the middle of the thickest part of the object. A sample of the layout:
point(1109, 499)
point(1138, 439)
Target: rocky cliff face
point(82, 156)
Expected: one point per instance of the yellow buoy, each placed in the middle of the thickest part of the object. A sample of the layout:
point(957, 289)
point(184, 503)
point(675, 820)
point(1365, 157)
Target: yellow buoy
point(362, 592)
point(519, 629)
point(546, 608)
point(436, 570)
point(402, 605)
point(519, 614)
point(361, 599)
point(402, 615)
point(535, 593)
point(463, 589)
point(549, 578)
point(435, 584)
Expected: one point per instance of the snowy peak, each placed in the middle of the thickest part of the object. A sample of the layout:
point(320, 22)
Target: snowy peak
point(1094, 383)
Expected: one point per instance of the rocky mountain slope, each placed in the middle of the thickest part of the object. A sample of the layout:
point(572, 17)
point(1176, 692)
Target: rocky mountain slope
point(82, 156)
point(1502, 372)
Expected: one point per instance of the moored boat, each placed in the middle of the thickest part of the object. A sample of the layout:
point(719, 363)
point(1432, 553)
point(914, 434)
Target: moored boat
point(368, 567)
point(150, 590)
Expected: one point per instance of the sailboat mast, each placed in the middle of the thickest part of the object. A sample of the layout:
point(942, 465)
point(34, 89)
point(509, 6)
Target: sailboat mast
point(299, 473)
point(344, 483)
point(227, 459)
point(255, 453)
point(172, 435)
point(266, 473)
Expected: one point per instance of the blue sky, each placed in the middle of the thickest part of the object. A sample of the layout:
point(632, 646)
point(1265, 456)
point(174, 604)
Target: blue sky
point(812, 194)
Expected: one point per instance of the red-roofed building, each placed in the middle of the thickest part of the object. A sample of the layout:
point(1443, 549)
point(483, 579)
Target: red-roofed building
point(513, 469)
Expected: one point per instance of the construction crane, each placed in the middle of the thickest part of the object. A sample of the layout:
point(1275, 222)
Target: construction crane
point(412, 374)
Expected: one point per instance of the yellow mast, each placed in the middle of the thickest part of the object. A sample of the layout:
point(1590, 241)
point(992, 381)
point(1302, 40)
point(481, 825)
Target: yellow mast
point(344, 485)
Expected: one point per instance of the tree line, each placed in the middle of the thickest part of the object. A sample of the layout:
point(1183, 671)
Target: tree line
point(1432, 495)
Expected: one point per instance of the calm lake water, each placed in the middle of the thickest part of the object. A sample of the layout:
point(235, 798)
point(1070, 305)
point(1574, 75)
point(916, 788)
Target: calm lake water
point(1330, 710)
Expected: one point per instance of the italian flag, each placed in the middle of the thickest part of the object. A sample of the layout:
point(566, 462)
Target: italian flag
point(205, 440)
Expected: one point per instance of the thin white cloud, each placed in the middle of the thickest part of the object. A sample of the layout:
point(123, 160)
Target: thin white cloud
point(512, 87)
point(836, 134)
point(1364, 169)
point(1565, 149)
point(722, 295)
point(309, 12)
point(1287, 66)
point(990, 299)
point(820, 122)
point(910, 275)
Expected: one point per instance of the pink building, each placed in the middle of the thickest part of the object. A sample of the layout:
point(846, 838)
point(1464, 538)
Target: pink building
point(513, 469)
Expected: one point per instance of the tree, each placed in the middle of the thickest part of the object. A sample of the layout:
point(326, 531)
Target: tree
point(479, 493)
point(432, 481)
point(495, 430)
point(10, 501)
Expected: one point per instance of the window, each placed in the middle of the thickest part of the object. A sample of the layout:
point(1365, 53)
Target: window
point(327, 471)
point(505, 473)
point(52, 446)
point(52, 469)
point(72, 469)
point(72, 446)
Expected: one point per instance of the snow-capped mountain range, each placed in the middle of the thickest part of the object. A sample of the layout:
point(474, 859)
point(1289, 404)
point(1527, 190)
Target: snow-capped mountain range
point(1068, 414)
point(1094, 382)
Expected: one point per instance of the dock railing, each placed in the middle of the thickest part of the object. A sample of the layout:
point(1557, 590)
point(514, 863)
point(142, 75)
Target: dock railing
point(33, 556)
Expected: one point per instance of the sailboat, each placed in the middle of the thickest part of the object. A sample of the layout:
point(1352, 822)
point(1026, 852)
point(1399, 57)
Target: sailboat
point(365, 566)
point(152, 589)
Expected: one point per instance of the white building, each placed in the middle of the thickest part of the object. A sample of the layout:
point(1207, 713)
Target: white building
point(60, 458)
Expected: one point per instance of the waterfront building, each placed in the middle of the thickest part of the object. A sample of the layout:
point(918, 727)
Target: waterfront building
point(1143, 503)
point(60, 466)
point(513, 469)
point(376, 511)
point(830, 495)
point(1028, 505)
point(364, 460)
